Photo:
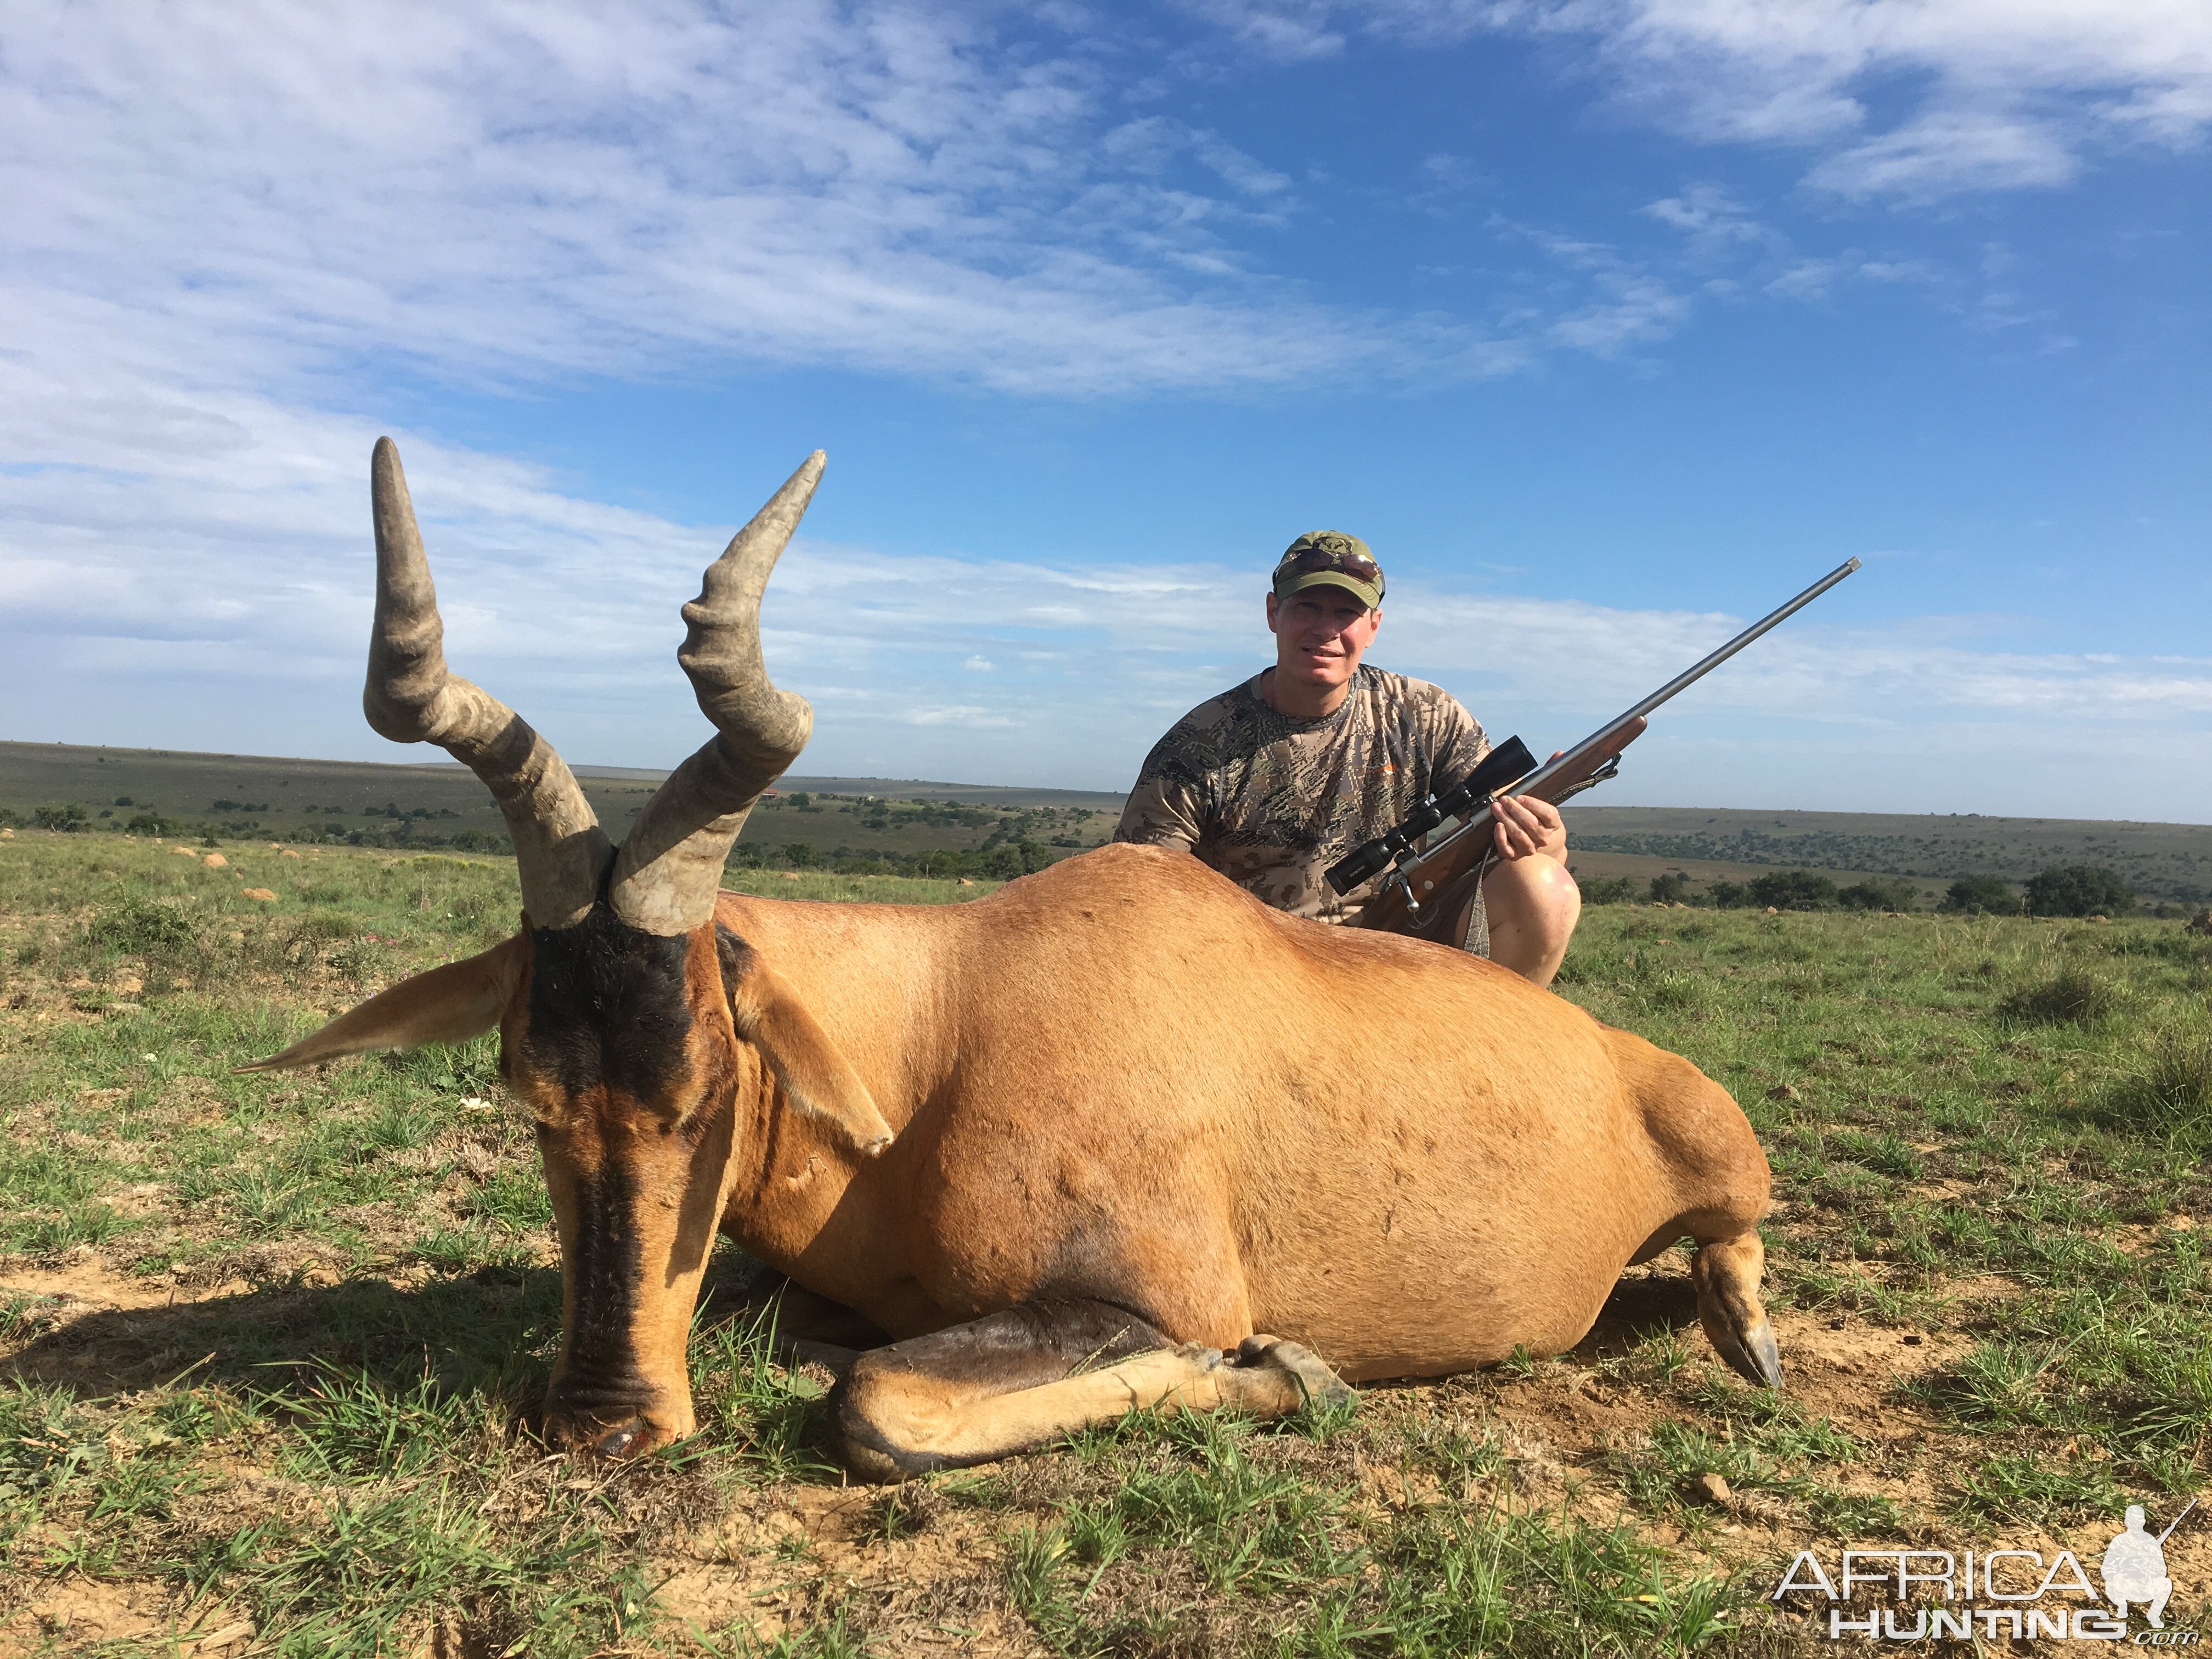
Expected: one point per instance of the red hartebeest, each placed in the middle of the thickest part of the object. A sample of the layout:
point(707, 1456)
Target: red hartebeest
point(1072, 1146)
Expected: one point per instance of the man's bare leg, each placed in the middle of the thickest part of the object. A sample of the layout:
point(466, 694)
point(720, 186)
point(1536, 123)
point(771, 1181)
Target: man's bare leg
point(1534, 905)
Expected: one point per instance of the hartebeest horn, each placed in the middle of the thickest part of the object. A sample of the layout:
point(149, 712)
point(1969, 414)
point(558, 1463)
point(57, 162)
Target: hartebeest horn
point(670, 865)
point(560, 850)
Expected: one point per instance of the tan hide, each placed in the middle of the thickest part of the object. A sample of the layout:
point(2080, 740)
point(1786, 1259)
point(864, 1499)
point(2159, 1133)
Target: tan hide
point(815, 1078)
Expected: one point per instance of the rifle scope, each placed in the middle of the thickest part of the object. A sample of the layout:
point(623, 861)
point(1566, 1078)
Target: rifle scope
point(1504, 765)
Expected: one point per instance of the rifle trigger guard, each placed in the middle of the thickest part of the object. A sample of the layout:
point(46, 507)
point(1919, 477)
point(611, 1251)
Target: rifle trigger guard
point(1398, 876)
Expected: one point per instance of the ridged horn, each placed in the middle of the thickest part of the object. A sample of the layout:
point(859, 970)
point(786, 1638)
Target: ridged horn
point(560, 851)
point(670, 867)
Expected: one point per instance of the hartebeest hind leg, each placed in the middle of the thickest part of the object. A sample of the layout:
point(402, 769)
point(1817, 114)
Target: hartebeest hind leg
point(1721, 1182)
point(1726, 1274)
point(1013, 1380)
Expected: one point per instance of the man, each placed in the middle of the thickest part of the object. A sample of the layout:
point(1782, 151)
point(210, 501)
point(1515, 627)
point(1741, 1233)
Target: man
point(1272, 782)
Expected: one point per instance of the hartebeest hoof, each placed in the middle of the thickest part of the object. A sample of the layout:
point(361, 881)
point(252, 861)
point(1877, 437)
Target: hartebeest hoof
point(1273, 1376)
point(1755, 1355)
point(632, 1438)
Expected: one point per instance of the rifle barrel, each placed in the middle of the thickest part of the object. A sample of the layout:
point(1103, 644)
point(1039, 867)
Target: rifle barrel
point(1476, 822)
point(1683, 681)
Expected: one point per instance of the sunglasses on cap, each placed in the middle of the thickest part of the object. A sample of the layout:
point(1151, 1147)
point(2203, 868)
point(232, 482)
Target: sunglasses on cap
point(1357, 566)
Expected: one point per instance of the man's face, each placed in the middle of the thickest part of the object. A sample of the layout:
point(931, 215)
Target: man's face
point(1320, 634)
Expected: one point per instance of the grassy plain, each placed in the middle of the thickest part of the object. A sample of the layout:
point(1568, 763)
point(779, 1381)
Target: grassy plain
point(272, 1343)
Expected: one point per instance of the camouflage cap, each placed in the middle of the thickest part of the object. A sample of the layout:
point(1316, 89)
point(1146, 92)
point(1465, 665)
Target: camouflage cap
point(1330, 558)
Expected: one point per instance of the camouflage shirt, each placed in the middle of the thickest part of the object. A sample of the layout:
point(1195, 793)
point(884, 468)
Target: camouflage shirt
point(1272, 800)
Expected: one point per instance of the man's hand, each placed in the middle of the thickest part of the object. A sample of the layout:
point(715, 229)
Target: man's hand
point(1522, 824)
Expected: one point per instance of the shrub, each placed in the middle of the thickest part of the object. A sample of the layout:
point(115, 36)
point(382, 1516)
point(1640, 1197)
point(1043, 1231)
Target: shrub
point(1794, 889)
point(1609, 889)
point(136, 927)
point(1975, 895)
point(2071, 995)
point(1729, 895)
point(2175, 1084)
point(69, 819)
point(2079, 890)
point(1880, 893)
point(1671, 889)
point(801, 856)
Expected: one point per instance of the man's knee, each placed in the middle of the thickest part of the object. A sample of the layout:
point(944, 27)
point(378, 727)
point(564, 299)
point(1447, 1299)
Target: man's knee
point(1538, 893)
point(1533, 905)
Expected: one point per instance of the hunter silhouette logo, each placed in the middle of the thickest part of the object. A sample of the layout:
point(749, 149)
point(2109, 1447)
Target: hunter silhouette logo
point(1999, 1593)
point(2134, 1567)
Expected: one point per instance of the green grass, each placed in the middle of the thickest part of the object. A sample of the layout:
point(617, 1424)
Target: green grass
point(275, 1341)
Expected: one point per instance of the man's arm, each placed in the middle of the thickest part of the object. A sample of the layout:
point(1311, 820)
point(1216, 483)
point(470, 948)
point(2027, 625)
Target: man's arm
point(1160, 812)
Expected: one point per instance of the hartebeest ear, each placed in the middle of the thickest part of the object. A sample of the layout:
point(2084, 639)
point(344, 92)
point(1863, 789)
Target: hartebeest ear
point(816, 1077)
point(450, 1004)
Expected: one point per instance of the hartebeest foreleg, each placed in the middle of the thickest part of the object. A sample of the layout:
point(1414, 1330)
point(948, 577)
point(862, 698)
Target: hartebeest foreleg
point(1036, 1371)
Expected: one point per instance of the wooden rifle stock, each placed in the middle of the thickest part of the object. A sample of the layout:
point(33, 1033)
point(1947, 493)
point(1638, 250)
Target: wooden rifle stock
point(1442, 878)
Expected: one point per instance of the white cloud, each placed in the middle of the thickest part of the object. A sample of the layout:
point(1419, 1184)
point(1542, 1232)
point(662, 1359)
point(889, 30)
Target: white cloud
point(1994, 94)
point(518, 192)
point(1706, 211)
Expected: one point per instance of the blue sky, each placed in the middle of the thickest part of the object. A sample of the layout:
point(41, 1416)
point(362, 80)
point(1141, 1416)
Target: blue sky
point(1609, 323)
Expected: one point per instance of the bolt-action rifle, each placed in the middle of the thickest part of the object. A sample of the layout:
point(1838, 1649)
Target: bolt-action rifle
point(1424, 890)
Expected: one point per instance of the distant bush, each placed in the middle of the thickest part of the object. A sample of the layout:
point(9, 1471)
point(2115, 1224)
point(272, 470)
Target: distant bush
point(2079, 890)
point(1975, 895)
point(1672, 889)
point(69, 818)
point(1609, 889)
point(1880, 893)
point(801, 856)
point(1729, 895)
point(1794, 889)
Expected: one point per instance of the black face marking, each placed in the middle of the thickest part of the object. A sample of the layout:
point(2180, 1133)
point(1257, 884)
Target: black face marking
point(606, 1268)
point(607, 1007)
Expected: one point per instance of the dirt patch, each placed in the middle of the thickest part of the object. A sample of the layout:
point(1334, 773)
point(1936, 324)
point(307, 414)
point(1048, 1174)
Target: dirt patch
point(86, 1283)
point(80, 1613)
point(909, 1567)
